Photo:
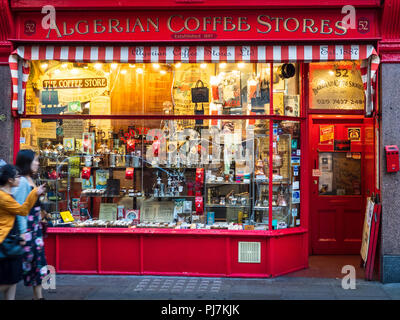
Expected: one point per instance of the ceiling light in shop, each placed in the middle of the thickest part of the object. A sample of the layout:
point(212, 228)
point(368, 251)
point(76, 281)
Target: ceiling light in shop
point(132, 66)
point(156, 66)
point(114, 65)
point(178, 65)
point(44, 66)
point(64, 65)
point(139, 70)
point(163, 72)
point(241, 65)
point(203, 65)
point(98, 66)
point(222, 65)
point(123, 71)
point(331, 72)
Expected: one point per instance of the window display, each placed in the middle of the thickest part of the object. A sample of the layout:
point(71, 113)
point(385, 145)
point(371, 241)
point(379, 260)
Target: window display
point(208, 171)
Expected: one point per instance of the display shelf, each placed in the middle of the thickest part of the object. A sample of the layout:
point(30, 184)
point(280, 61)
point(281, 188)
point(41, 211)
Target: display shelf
point(226, 206)
point(164, 167)
point(227, 183)
point(276, 182)
point(175, 196)
point(101, 196)
point(267, 208)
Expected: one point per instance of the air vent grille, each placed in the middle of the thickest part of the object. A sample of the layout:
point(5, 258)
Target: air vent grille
point(249, 252)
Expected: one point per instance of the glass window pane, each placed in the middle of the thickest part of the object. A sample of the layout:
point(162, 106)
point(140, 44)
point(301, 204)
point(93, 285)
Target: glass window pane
point(156, 88)
point(336, 86)
point(286, 89)
point(340, 173)
point(261, 173)
point(286, 174)
point(221, 164)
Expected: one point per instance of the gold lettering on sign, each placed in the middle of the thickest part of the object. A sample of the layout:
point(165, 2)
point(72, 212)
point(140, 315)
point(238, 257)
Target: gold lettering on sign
point(216, 20)
point(65, 30)
point(98, 23)
point(339, 25)
point(206, 21)
point(325, 23)
point(75, 83)
point(285, 24)
point(264, 23)
point(243, 20)
point(186, 24)
point(228, 20)
point(57, 31)
point(112, 26)
point(180, 23)
point(154, 24)
point(86, 27)
point(138, 23)
point(277, 23)
point(169, 24)
point(309, 27)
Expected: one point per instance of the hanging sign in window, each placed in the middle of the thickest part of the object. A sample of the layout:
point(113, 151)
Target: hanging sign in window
point(326, 134)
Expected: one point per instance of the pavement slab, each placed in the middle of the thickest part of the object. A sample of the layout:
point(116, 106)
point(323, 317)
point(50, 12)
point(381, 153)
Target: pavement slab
point(105, 287)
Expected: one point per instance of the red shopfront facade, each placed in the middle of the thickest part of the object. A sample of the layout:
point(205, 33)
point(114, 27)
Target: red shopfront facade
point(201, 33)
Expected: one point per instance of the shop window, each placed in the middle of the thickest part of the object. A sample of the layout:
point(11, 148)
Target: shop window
point(168, 173)
point(162, 88)
point(286, 174)
point(236, 170)
point(340, 173)
point(336, 86)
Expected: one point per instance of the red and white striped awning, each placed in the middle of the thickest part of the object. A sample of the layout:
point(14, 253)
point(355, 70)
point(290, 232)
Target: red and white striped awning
point(19, 59)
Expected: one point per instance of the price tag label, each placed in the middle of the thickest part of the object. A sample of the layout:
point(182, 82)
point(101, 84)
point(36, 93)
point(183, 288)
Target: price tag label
point(316, 173)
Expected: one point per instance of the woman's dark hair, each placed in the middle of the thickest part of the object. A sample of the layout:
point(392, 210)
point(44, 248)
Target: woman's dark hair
point(24, 161)
point(7, 171)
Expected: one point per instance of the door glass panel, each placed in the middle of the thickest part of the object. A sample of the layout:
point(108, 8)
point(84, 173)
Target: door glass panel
point(336, 86)
point(340, 173)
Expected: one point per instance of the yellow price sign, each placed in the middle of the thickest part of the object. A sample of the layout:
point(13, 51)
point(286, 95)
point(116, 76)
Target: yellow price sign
point(67, 216)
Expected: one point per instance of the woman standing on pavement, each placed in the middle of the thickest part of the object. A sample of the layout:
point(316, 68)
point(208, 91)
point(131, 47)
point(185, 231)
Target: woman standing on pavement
point(34, 260)
point(11, 267)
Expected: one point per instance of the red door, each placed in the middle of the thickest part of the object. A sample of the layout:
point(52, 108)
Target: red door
point(340, 156)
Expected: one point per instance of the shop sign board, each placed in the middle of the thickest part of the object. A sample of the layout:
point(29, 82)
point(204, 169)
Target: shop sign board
point(326, 134)
point(86, 84)
point(367, 229)
point(336, 86)
point(260, 25)
point(354, 134)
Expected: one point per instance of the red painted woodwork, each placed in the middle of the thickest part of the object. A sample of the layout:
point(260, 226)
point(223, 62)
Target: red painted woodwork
point(389, 46)
point(337, 221)
point(173, 252)
point(183, 26)
point(6, 31)
point(202, 252)
point(183, 4)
